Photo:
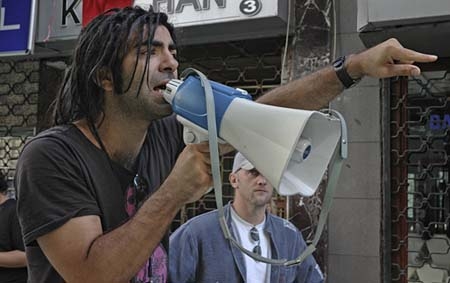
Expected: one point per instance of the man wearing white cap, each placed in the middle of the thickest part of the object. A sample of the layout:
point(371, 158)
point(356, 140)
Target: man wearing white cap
point(198, 251)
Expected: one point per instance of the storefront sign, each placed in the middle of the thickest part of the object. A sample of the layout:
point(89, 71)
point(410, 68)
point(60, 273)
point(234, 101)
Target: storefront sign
point(16, 27)
point(439, 122)
point(420, 25)
point(59, 20)
point(185, 13)
point(203, 21)
point(376, 14)
point(198, 21)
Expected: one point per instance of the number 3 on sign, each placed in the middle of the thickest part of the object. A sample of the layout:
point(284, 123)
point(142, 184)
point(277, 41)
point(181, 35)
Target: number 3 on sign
point(250, 7)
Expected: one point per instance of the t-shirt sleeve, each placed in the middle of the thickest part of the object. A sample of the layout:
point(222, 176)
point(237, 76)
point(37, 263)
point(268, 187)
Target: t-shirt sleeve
point(170, 127)
point(51, 187)
point(160, 152)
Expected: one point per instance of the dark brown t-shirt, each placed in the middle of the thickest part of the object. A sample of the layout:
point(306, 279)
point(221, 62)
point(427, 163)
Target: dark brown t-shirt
point(61, 175)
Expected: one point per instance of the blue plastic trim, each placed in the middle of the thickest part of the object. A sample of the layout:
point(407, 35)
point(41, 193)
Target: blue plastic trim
point(189, 101)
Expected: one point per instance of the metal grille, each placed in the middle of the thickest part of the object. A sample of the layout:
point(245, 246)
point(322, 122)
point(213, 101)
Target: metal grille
point(420, 150)
point(19, 85)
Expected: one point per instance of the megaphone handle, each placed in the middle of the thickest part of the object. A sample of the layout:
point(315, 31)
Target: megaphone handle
point(190, 136)
point(213, 139)
point(193, 133)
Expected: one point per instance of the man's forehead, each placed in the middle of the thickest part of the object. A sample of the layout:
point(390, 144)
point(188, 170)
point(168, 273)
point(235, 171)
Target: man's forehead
point(161, 37)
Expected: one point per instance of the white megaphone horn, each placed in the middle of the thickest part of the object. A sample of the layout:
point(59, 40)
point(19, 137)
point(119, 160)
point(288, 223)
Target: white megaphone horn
point(290, 147)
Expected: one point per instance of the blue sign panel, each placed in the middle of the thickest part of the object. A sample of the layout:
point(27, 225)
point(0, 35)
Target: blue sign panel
point(16, 26)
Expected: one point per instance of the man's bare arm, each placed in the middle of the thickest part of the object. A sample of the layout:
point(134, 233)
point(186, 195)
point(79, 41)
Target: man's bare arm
point(310, 93)
point(80, 252)
point(13, 259)
point(388, 59)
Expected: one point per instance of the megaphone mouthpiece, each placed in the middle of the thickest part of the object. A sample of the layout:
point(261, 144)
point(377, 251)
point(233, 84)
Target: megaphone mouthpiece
point(171, 89)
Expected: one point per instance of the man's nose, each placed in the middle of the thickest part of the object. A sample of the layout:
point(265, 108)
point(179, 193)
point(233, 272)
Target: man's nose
point(261, 180)
point(168, 63)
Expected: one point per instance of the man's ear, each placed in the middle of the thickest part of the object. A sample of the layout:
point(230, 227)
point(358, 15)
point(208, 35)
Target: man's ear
point(104, 79)
point(233, 178)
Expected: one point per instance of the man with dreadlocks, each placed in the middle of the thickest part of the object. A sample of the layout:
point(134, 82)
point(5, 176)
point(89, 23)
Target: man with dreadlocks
point(82, 185)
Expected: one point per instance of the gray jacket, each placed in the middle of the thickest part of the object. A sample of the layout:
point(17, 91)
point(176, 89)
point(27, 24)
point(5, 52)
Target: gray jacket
point(198, 252)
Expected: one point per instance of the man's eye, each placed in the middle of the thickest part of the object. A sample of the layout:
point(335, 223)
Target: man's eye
point(145, 51)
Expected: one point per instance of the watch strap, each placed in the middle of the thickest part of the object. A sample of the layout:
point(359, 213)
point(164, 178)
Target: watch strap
point(342, 74)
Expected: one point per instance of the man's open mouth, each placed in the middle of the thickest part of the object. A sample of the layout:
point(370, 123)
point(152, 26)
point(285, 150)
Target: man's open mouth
point(160, 87)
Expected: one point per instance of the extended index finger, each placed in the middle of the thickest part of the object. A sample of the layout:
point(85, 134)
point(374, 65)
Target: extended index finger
point(407, 55)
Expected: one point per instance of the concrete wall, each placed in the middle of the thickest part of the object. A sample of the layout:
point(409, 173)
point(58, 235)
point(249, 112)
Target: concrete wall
point(354, 224)
point(352, 240)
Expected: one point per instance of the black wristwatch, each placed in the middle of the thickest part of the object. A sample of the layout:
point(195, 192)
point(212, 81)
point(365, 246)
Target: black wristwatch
point(341, 72)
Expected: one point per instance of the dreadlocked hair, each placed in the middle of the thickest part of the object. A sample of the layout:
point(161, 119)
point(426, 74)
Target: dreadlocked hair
point(99, 52)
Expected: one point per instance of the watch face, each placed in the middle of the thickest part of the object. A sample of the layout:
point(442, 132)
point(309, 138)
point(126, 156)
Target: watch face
point(339, 62)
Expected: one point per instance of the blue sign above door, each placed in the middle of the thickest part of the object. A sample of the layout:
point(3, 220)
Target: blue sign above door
point(16, 27)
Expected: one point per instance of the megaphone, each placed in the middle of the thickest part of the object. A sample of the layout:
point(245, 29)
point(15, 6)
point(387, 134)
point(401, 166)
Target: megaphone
point(290, 147)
